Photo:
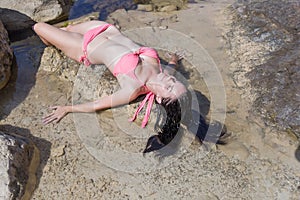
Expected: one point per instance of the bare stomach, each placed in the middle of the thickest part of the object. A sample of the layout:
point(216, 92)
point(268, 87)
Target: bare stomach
point(108, 47)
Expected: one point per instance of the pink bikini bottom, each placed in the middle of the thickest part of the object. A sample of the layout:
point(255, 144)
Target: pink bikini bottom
point(87, 38)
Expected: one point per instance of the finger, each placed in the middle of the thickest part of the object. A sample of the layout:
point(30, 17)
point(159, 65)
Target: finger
point(49, 119)
point(53, 107)
point(56, 120)
point(168, 55)
point(180, 53)
point(50, 115)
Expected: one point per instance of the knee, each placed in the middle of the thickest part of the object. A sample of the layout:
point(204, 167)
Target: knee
point(38, 26)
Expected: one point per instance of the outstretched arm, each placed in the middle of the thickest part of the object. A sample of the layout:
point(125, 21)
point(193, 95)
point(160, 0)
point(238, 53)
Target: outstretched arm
point(119, 98)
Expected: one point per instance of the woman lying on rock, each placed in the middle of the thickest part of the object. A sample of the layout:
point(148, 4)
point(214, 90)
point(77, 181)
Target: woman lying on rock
point(136, 68)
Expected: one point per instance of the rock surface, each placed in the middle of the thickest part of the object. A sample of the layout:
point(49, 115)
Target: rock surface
point(264, 43)
point(257, 163)
point(18, 160)
point(168, 5)
point(164, 5)
point(39, 10)
point(6, 56)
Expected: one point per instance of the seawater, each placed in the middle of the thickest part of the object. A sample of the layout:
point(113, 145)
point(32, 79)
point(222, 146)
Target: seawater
point(104, 7)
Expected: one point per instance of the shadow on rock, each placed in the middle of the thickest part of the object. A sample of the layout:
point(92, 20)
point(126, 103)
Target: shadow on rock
point(297, 153)
point(27, 49)
point(213, 132)
point(17, 24)
point(170, 133)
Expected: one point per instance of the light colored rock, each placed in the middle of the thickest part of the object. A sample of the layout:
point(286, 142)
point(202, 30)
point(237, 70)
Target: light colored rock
point(167, 5)
point(6, 57)
point(58, 151)
point(168, 8)
point(146, 7)
point(19, 159)
point(54, 61)
point(161, 5)
point(39, 10)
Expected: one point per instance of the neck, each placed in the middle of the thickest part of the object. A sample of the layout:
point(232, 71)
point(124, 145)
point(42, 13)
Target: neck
point(146, 73)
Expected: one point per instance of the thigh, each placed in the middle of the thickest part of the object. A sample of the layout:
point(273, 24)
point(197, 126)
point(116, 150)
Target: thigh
point(70, 43)
point(82, 28)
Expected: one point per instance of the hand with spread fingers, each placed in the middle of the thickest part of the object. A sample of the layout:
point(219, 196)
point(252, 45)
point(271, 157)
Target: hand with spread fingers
point(58, 113)
point(174, 58)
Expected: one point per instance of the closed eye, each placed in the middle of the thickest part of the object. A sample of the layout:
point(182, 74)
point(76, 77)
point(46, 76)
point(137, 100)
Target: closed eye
point(170, 88)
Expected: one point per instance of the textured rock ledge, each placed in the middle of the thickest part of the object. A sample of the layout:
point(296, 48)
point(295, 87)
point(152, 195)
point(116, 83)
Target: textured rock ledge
point(39, 10)
point(6, 57)
point(263, 41)
point(19, 159)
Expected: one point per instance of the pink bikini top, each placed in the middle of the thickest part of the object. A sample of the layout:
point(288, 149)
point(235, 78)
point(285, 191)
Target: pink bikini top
point(127, 65)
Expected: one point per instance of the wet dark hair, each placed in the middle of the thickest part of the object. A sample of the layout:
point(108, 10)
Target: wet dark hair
point(170, 117)
point(167, 124)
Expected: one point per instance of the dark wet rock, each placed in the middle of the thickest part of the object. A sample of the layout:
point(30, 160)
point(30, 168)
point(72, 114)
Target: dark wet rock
point(19, 160)
point(18, 25)
point(277, 84)
point(264, 43)
point(142, 1)
point(6, 57)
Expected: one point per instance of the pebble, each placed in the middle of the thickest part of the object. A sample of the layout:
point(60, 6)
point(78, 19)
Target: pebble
point(145, 7)
point(58, 151)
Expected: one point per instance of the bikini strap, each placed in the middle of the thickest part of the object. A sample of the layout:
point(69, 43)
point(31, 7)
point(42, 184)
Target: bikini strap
point(150, 95)
point(87, 38)
point(150, 98)
point(84, 59)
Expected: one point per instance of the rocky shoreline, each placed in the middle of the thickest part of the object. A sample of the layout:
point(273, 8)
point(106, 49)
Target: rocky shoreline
point(63, 160)
point(269, 63)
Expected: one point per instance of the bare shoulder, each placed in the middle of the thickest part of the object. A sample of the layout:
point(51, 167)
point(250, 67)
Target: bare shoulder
point(130, 85)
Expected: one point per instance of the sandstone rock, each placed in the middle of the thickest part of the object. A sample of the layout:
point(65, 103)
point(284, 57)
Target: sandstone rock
point(6, 57)
point(168, 8)
point(19, 159)
point(145, 7)
point(54, 61)
point(164, 5)
point(168, 5)
point(39, 10)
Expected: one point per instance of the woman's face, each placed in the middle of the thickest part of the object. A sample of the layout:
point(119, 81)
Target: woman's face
point(167, 86)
